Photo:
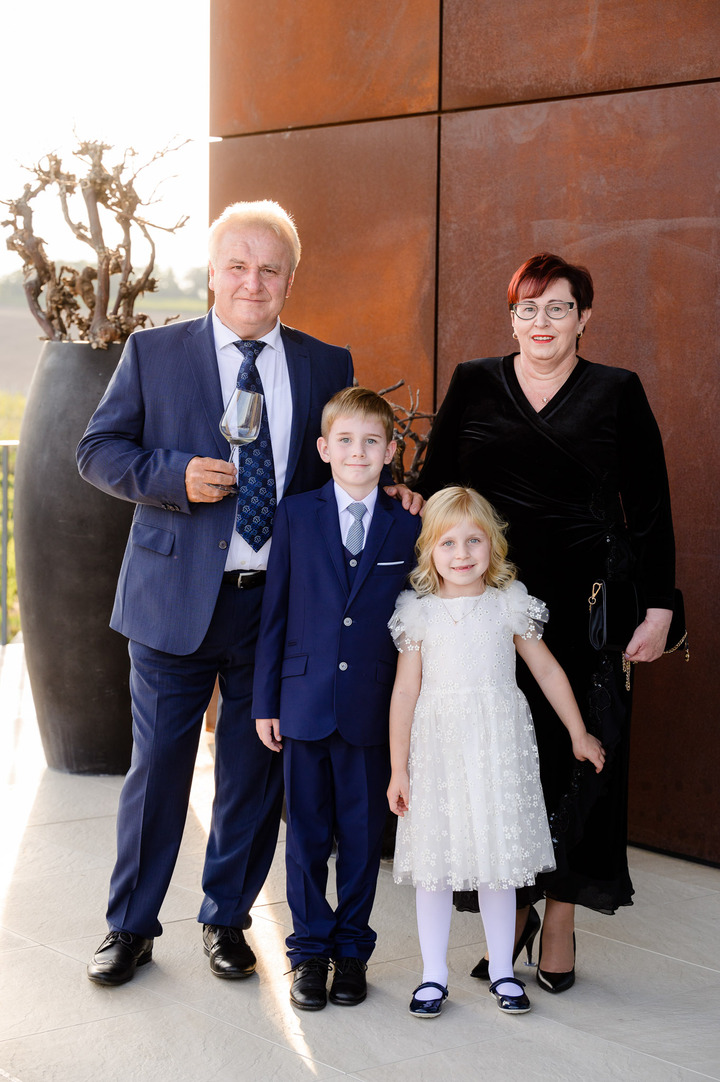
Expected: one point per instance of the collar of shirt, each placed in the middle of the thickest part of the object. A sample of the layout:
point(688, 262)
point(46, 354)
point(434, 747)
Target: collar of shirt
point(225, 338)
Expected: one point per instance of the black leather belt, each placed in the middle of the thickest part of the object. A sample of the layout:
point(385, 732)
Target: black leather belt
point(243, 580)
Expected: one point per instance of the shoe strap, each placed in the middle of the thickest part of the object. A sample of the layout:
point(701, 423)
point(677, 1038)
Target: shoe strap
point(431, 984)
point(508, 980)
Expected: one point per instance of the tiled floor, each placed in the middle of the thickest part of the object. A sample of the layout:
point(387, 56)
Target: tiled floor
point(646, 1005)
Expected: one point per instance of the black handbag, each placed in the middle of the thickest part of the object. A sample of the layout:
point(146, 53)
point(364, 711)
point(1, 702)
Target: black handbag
point(615, 612)
point(616, 609)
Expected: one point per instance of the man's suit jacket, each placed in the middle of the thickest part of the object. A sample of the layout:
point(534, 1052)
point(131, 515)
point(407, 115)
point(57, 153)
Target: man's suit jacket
point(325, 658)
point(163, 407)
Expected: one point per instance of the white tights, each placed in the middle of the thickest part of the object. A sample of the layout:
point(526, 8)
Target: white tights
point(434, 910)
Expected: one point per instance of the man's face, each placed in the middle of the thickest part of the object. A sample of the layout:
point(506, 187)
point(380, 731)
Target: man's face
point(250, 277)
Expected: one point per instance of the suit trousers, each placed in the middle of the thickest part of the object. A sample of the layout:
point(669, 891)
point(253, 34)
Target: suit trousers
point(334, 791)
point(170, 694)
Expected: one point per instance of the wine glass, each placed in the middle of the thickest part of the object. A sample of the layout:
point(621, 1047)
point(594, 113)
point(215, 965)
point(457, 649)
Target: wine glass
point(240, 423)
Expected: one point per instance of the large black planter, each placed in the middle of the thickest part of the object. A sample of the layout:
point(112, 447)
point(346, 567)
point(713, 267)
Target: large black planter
point(69, 543)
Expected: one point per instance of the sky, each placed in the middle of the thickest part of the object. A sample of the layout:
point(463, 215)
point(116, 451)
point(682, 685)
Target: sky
point(131, 74)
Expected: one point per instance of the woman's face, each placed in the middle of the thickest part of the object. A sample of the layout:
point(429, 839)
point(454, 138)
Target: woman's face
point(546, 340)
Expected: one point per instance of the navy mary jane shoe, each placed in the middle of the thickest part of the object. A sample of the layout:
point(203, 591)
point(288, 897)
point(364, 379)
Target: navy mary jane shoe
point(510, 1004)
point(428, 1008)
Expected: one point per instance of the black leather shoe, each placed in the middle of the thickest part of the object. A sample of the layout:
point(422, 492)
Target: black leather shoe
point(230, 956)
point(349, 983)
point(308, 990)
point(555, 982)
point(118, 956)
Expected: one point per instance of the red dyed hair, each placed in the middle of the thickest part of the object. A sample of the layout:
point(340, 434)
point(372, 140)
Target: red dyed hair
point(537, 274)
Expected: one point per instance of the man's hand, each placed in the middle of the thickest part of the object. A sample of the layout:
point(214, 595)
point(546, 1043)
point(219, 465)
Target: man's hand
point(411, 501)
point(208, 480)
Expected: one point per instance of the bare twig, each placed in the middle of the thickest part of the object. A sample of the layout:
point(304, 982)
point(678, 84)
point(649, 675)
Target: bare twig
point(68, 298)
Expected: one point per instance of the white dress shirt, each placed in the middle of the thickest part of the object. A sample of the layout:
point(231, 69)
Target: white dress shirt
point(347, 519)
point(272, 365)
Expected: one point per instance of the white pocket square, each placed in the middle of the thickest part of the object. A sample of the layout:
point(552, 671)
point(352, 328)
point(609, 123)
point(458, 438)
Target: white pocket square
point(389, 563)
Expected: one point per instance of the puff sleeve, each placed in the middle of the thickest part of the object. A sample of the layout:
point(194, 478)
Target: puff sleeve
point(528, 615)
point(407, 623)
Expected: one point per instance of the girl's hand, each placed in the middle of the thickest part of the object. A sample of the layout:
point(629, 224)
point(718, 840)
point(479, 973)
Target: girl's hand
point(268, 729)
point(398, 793)
point(588, 747)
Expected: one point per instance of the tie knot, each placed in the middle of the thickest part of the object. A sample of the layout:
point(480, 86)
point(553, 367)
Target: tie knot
point(250, 349)
point(357, 510)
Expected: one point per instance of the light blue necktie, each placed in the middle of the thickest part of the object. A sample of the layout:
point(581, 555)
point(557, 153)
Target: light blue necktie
point(257, 491)
point(356, 534)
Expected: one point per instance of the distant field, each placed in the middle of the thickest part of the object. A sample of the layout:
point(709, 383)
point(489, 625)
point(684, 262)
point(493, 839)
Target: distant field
point(20, 343)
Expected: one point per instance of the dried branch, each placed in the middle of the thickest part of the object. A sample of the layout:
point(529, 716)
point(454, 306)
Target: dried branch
point(404, 431)
point(68, 298)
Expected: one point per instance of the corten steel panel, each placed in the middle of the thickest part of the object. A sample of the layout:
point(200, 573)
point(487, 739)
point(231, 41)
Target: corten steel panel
point(627, 185)
point(364, 200)
point(524, 50)
point(277, 65)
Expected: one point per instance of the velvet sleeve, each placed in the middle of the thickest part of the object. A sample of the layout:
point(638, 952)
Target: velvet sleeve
point(645, 495)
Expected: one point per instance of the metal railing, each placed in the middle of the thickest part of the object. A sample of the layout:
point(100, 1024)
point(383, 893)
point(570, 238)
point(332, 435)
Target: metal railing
point(5, 445)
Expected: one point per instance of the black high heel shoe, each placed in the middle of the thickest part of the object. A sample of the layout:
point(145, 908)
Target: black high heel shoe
point(526, 940)
point(555, 982)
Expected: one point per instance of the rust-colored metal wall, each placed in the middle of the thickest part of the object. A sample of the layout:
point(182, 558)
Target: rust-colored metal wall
point(443, 143)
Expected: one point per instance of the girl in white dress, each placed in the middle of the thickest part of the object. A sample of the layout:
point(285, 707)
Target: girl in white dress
point(465, 779)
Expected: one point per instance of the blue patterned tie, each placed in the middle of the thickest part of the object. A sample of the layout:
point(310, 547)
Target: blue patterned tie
point(256, 471)
point(356, 533)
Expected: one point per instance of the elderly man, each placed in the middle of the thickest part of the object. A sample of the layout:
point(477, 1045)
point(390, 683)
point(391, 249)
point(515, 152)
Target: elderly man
point(191, 584)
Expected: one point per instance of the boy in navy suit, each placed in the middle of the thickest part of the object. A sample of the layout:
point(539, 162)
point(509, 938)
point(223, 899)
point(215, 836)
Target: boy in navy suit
point(324, 671)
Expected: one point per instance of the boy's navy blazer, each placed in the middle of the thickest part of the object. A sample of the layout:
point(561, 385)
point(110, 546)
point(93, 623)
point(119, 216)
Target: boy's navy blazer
point(162, 408)
point(325, 658)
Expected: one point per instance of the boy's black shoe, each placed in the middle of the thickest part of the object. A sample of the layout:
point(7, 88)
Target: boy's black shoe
point(349, 984)
point(308, 991)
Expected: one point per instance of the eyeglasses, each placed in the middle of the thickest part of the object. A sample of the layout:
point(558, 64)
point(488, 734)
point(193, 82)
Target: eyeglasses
point(554, 310)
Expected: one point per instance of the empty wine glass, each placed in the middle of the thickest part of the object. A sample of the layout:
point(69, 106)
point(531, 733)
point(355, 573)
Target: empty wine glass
point(240, 423)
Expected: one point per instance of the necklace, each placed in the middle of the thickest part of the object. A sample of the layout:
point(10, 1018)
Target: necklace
point(468, 610)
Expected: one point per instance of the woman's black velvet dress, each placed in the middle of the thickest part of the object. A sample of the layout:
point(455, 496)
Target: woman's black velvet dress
point(584, 489)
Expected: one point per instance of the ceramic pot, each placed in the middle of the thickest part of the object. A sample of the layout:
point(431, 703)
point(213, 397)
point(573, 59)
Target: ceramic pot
point(69, 544)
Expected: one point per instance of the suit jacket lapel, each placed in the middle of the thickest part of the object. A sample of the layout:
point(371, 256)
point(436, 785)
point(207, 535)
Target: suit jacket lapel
point(202, 359)
point(330, 528)
point(380, 525)
point(298, 362)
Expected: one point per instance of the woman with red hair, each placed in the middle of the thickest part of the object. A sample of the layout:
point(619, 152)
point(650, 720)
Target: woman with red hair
point(570, 454)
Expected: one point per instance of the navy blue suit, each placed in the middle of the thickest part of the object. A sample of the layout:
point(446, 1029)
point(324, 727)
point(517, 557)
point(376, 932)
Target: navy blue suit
point(162, 408)
point(325, 666)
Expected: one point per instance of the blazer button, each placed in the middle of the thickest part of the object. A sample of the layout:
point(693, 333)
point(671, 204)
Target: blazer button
point(347, 621)
point(353, 563)
point(342, 666)
point(222, 545)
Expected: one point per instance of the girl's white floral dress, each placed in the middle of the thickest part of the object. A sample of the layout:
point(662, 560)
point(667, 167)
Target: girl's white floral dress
point(476, 813)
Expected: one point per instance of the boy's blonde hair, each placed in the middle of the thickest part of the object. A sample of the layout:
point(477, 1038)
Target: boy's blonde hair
point(358, 402)
point(447, 509)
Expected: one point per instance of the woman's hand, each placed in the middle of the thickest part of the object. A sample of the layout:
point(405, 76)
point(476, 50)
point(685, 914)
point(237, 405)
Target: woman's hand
point(648, 642)
point(398, 793)
point(589, 747)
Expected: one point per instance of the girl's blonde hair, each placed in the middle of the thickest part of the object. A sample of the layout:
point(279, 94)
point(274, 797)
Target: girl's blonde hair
point(447, 509)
